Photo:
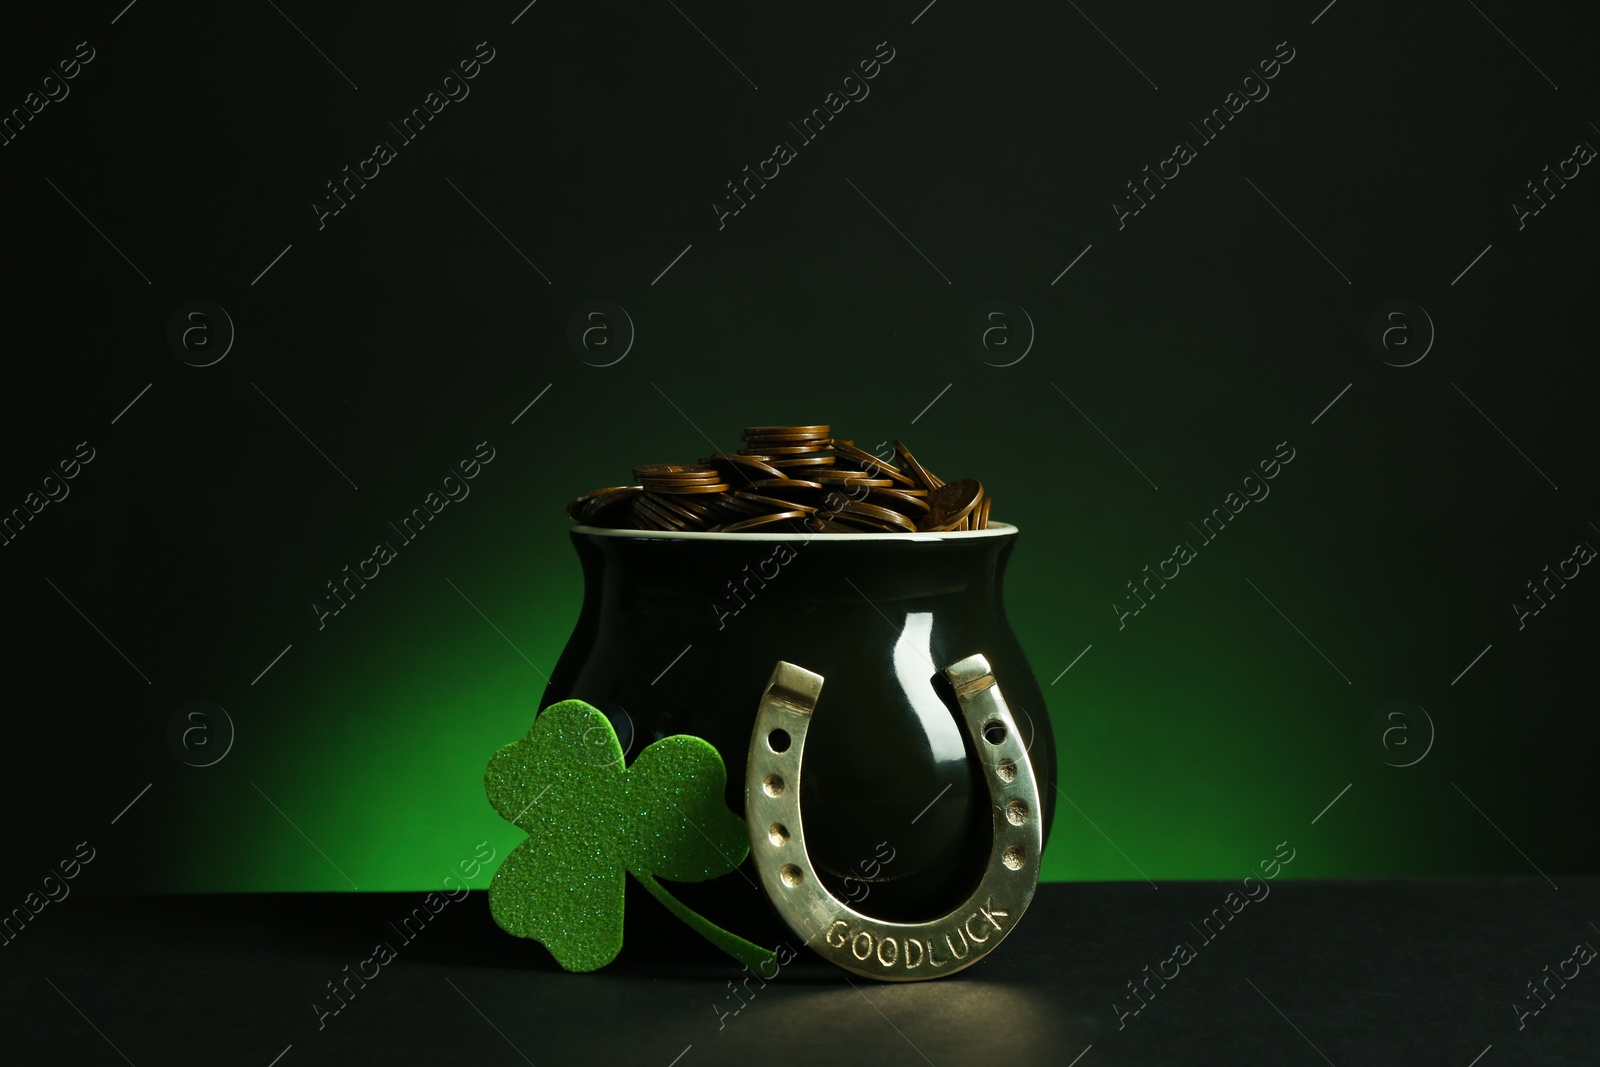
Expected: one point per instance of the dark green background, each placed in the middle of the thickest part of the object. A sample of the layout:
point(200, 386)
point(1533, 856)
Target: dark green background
point(1197, 338)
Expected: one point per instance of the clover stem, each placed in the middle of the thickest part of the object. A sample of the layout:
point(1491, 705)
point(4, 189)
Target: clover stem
point(752, 955)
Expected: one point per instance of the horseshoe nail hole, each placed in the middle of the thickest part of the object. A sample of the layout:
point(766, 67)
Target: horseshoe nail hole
point(1016, 814)
point(1007, 770)
point(778, 834)
point(778, 740)
point(772, 785)
point(791, 875)
point(994, 731)
point(1013, 856)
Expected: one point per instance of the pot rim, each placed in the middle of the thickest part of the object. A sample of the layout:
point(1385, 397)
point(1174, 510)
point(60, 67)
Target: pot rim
point(994, 529)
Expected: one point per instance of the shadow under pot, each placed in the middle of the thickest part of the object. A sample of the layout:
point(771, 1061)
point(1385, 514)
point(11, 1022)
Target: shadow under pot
point(679, 634)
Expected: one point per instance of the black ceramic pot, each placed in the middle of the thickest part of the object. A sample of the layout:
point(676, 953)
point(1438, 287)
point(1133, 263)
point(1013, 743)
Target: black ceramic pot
point(679, 633)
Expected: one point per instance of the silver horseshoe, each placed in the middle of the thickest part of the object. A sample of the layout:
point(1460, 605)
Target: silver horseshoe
point(873, 948)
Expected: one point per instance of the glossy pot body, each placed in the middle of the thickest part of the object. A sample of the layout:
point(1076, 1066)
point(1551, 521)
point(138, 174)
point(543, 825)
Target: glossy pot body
point(680, 632)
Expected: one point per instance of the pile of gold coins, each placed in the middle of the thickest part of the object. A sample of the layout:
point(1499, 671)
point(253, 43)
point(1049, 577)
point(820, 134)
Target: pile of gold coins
point(789, 479)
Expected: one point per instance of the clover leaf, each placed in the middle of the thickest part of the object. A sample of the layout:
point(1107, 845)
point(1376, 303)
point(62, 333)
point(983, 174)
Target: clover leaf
point(589, 819)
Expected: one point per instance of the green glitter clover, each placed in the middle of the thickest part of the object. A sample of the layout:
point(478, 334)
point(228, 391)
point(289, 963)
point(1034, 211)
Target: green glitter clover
point(589, 820)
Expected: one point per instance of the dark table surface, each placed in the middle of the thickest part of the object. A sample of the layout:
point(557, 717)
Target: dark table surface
point(1343, 972)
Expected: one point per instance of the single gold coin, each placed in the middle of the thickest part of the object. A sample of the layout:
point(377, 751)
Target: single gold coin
point(795, 484)
point(839, 477)
point(923, 477)
point(949, 505)
point(784, 450)
point(674, 472)
point(784, 463)
point(687, 488)
point(740, 509)
point(786, 431)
